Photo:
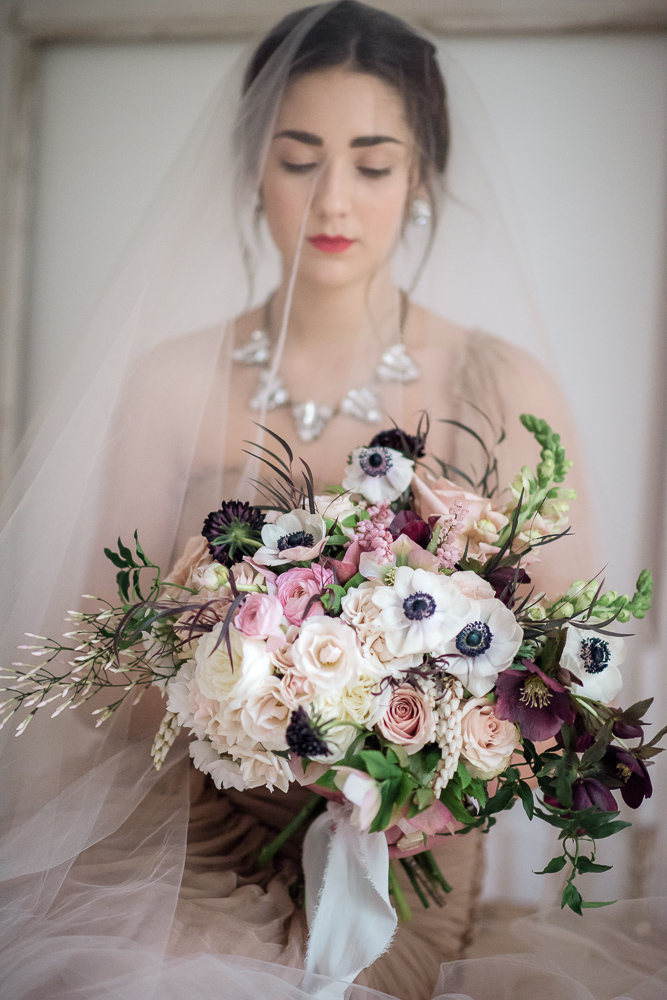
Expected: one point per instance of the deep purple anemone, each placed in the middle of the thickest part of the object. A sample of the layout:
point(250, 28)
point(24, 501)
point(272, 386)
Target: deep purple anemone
point(538, 704)
point(233, 531)
point(303, 737)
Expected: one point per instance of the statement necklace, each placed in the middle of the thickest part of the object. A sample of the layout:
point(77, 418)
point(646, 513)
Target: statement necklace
point(310, 416)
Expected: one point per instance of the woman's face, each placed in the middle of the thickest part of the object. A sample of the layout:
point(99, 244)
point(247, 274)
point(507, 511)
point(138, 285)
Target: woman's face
point(341, 156)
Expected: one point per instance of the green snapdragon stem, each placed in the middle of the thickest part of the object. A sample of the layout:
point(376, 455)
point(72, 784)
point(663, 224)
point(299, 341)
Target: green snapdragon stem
point(400, 902)
point(266, 854)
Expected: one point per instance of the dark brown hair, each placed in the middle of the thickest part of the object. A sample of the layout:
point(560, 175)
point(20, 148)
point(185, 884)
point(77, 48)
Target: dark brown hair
point(371, 41)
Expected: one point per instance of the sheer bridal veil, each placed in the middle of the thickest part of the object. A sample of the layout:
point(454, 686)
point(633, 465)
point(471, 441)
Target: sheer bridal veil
point(93, 839)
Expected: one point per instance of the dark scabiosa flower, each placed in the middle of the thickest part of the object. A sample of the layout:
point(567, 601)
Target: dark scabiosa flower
point(537, 703)
point(408, 523)
point(303, 737)
point(410, 445)
point(630, 773)
point(233, 531)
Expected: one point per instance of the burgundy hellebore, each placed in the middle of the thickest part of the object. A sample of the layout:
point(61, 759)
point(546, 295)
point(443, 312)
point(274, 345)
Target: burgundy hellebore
point(587, 792)
point(632, 772)
point(502, 581)
point(538, 704)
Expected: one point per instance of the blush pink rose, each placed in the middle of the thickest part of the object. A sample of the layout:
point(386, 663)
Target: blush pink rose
point(409, 719)
point(488, 742)
point(297, 586)
point(259, 616)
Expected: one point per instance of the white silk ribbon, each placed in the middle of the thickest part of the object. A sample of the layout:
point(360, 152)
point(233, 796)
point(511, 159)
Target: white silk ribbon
point(350, 917)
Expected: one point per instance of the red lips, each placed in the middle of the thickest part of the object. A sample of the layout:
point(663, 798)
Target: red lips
point(330, 244)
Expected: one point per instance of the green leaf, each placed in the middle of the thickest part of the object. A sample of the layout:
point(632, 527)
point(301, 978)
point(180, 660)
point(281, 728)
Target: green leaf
point(464, 775)
point(526, 796)
point(585, 866)
point(377, 765)
point(354, 582)
point(449, 798)
point(571, 897)
point(115, 558)
point(423, 798)
point(405, 789)
point(400, 754)
point(501, 800)
point(125, 553)
point(593, 905)
point(388, 791)
point(555, 865)
point(611, 828)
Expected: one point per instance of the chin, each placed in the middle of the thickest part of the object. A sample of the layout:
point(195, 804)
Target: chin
point(334, 272)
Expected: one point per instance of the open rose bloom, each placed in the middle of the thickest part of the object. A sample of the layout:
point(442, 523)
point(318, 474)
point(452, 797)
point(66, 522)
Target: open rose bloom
point(383, 645)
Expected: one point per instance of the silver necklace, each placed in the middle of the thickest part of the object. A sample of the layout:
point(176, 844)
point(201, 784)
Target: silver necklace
point(310, 416)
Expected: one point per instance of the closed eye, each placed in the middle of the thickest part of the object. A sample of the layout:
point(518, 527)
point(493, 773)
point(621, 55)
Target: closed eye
point(297, 168)
point(374, 171)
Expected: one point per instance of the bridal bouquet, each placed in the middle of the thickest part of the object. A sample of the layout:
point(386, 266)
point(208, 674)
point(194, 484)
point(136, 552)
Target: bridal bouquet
point(384, 645)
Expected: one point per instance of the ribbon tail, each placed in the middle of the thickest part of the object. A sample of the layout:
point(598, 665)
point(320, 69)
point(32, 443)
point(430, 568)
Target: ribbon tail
point(350, 916)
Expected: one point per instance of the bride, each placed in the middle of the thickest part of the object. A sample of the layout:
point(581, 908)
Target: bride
point(338, 153)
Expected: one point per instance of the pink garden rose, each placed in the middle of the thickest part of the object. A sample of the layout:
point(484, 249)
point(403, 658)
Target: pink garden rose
point(409, 719)
point(259, 616)
point(488, 742)
point(297, 586)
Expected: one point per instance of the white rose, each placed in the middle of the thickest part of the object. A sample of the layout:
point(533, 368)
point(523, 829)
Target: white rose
point(265, 717)
point(327, 653)
point(359, 610)
point(488, 742)
point(217, 676)
point(225, 772)
point(261, 767)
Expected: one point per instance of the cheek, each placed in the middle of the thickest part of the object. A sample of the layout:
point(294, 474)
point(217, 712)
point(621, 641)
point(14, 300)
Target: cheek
point(285, 204)
point(381, 211)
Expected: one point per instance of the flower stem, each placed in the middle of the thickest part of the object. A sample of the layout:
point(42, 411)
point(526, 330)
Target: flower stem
point(400, 902)
point(266, 854)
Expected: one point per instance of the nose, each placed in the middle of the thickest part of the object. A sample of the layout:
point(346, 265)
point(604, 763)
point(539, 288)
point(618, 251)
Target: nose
point(332, 191)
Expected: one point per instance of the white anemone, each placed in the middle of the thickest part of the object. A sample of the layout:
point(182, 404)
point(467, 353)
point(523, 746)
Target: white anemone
point(420, 613)
point(485, 643)
point(594, 659)
point(294, 537)
point(378, 473)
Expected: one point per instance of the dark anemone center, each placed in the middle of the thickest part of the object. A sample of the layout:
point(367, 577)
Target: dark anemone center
point(474, 639)
point(595, 654)
point(301, 538)
point(418, 606)
point(375, 461)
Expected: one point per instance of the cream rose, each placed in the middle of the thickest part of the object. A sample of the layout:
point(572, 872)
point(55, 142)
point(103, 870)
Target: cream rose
point(327, 654)
point(265, 716)
point(359, 610)
point(409, 719)
point(488, 742)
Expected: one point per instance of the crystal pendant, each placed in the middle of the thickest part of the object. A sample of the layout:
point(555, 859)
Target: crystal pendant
point(396, 365)
point(311, 418)
point(271, 394)
point(256, 351)
point(362, 404)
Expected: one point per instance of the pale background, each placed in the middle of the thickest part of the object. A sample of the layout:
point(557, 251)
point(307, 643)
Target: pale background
point(582, 125)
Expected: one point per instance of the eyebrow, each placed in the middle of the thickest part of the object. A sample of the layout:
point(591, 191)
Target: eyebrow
point(309, 139)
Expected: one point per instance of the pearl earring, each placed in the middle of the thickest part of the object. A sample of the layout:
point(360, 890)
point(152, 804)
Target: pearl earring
point(421, 211)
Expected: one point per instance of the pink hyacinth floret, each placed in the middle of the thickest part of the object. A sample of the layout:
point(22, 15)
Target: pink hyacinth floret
point(373, 535)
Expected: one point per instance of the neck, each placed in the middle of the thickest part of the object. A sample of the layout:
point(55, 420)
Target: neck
point(337, 315)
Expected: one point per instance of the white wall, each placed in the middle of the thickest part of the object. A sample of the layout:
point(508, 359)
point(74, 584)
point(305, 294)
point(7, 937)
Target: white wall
point(582, 124)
